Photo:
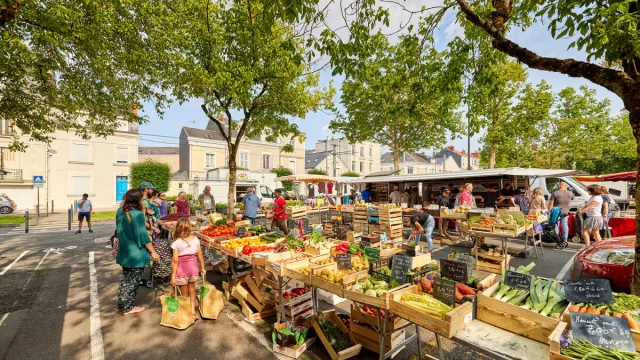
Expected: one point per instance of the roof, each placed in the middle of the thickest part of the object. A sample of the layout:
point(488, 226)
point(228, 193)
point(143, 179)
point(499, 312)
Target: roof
point(180, 175)
point(313, 159)
point(158, 150)
point(417, 157)
point(468, 174)
point(383, 173)
point(202, 134)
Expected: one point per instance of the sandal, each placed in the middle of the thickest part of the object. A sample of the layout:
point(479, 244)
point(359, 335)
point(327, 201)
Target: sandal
point(135, 310)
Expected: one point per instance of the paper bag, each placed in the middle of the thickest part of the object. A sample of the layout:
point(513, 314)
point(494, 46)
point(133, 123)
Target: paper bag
point(211, 302)
point(176, 311)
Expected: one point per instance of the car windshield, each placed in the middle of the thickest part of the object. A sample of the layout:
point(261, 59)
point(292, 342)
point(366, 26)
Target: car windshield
point(575, 183)
point(622, 257)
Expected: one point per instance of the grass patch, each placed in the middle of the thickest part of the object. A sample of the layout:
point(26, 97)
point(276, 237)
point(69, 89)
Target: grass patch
point(104, 215)
point(12, 219)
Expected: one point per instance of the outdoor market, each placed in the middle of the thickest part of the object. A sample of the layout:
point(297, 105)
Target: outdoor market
point(370, 254)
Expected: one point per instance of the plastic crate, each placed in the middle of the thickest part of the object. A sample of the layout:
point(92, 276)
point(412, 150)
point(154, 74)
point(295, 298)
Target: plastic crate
point(376, 265)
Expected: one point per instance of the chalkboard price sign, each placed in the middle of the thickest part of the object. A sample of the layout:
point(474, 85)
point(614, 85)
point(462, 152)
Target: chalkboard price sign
point(454, 270)
point(606, 331)
point(517, 280)
point(469, 260)
point(241, 232)
point(445, 291)
point(343, 261)
point(594, 291)
point(292, 224)
point(400, 266)
point(365, 243)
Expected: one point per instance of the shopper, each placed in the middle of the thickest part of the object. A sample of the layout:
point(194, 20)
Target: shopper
point(562, 199)
point(251, 203)
point(134, 251)
point(187, 259)
point(394, 197)
point(607, 205)
point(206, 201)
point(428, 195)
point(353, 197)
point(466, 198)
point(593, 223)
point(404, 197)
point(423, 223)
point(85, 208)
point(490, 197)
point(413, 197)
point(367, 195)
point(279, 213)
point(520, 201)
point(537, 201)
point(454, 190)
point(162, 198)
point(182, 204)
point(444, 200)
point(151, 211)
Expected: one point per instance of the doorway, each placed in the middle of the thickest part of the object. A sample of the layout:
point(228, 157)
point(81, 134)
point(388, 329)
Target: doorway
point(122, 184)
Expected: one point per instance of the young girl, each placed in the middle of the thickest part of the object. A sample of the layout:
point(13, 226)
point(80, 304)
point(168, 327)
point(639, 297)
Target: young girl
point(187, 255)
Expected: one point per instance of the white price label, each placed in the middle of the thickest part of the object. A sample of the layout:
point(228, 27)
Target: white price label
point(468, 318)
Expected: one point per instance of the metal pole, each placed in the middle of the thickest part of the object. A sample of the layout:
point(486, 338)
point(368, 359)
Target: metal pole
point(38, 208)
point(326, 150)
point(47, 209)
point(26, 221)
point(334, 160)
point(69, 218)
point(52, 206)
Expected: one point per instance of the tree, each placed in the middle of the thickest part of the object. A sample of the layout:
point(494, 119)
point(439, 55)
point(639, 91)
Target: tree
point(155, 172)
point(245, 58)
point(284, 171)
point(350, 174)
point(316, 172)
point(70, 66)
point(394, 100)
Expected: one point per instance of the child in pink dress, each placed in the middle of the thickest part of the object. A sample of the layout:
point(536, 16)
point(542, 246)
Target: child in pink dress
point(187, 255)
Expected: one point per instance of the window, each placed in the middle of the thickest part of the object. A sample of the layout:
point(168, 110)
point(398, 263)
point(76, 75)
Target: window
point(292, 166)
point(361, 167)
point(5, 127)
point(81, 152)
point(370, 150)
point(243, 159)
point(353, 166)
point(179, 185)
point(8, 155)
point(370, 166)
point(266, 161)
point(361, 150)
point(122, 154)
point(266, 192)
point(353, 152)
point(409, 169)
point(292, 142)
point(80, 185)
point(210, 160)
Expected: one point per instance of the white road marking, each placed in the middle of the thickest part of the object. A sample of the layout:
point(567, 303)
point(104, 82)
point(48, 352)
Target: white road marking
point(566, 267)
point(4, 318)
point(14, 262)
point(251, 330)
point(41, 260)
point(97, 345)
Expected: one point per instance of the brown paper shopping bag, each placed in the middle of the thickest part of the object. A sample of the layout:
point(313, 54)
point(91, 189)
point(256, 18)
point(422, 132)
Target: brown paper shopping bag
point(211, 302)
point(176, 310)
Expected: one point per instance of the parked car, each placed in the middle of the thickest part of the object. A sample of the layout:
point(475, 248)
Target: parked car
point(6, 205)
point(609, 259)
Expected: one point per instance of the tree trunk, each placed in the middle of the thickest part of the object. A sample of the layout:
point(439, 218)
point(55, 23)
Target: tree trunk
point(396, 159)
point(634, 120)
point(232, 185)
point(492, 158)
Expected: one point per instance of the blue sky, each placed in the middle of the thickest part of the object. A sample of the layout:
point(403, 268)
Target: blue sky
point(164, 132)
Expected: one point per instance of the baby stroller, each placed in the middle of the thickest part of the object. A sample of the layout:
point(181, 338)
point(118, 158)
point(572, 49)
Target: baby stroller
point(549, 229)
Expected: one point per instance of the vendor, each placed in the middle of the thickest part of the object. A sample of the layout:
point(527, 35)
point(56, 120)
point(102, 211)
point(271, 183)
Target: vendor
point(206, 200)
point(413, 197)
point(444, 200)
point(466, 198)
point(279, 213)
point(367, 195)
point(423, 223)
point(428, 195)
point(404, 197)
point(490, 197)
point(394, 197)
point(251, 203)
point(506, 196)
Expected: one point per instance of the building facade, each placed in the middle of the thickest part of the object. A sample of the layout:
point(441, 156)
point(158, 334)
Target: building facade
point(164, 154)
point(419, 163)
point(70, 166)
point(362, 158)
point(460, 157)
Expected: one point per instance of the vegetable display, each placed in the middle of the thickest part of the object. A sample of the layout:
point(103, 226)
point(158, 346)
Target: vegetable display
point(250, 249)
point(270, 237)
point(370, 287)
point(294, 293)
point(624, 306)
point(221, 222)
point(427, 284)
point(222, 230)
point(584, 350)
point(316, 238)
point(338, 340)
point(241, 243)
point(291, 242)
point(173, 217)
point(427, 304)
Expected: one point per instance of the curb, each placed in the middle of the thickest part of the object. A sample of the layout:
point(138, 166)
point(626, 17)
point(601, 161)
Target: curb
point(9, 225)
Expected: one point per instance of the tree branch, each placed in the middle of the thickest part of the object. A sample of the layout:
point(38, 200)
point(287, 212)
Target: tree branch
point(616, 81)
point(216, 121)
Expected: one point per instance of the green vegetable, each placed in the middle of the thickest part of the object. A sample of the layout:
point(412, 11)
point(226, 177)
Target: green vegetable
point(394, 284)
point(519, 298)
point(625, 303)
point(221, 222)
point(293, 243)
point(426, 304)
point(353, 249)
point(556, 295)
point(316, 238)
point(582, 349)
point(510, 294)
point(338, 340)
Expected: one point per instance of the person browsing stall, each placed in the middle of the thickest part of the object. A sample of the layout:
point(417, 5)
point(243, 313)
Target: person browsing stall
point(594, 221)
point(251, 203)
point(413, 197)
point(423, 223)
point(187, 261)
point(444, 200)
point(206, 200)
point(181, 205)
point(85, 208)
point(279, 213)
point(562, 198)
point(506, 195)
point(490, 197)
point(466, 198)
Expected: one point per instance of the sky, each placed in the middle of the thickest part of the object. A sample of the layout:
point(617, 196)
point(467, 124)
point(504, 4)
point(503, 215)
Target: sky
point(165, 131)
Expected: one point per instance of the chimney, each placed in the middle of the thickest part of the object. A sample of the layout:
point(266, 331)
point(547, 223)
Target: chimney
point(451, 147)
point(463, 152)
point(475, 154)
point(222, 119)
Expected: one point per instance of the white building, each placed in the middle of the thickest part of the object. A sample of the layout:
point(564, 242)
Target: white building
point(419, 163)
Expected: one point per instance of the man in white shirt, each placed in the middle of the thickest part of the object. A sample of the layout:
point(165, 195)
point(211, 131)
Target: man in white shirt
point(85, 208)
point(394, 197)
point(206, 200)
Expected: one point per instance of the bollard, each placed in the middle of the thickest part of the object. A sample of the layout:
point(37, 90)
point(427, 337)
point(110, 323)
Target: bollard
point(26, 221)
point(69, 218)
point(47, 209)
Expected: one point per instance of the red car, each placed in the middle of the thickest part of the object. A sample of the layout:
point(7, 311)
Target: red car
point(609, 259)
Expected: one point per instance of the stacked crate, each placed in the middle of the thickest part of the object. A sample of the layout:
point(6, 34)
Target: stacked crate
point(391, 222)
point(296, 212)
point(360, 220)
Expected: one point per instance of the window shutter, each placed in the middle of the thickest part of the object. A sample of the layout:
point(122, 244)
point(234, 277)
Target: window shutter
point(270, 161)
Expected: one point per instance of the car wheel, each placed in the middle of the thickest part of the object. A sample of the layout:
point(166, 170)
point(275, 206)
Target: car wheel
point(5, 210)
point(576, 239)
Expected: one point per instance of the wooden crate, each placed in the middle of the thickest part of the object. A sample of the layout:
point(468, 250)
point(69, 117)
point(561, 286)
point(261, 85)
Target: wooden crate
point(381, 302)
point(292, 351)
point(514, 318)
point(254, 289)
point(296, 212)
point(421, 260)
point(241, 293)
point(495, 268)
point(511, 229)
point(252, 315)
point(370, 339)
point(313, 251)
point(389, 212)
point(344, 354)
point(291, 269)
point(455, 320)
point(337, 289)
point(230, 252)
point(387, 227)
point(274, 262)
point(480, 227)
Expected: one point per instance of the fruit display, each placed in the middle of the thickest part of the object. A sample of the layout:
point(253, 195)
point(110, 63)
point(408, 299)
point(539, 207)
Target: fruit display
point(222, 230)
point(250, 249)
point(294, 293)
point(373, 312)
point(331, 276)
point(462, 209)
point(173, 217)
point(359, 264)
point(241, 243)
point(326, 261)
point(346, 320)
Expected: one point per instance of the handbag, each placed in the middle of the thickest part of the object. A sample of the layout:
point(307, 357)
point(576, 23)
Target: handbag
point(176, 310)
point(211, 302)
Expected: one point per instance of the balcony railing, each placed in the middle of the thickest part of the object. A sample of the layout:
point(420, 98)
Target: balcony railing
point(13, 175)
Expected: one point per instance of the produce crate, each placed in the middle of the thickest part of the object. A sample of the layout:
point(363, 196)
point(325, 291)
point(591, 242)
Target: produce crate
point(275, 262)
point(292, 351)
point(554, 342)
point(260, 258)
point(305, 307)
point(291, 269)
point(382, 302)
point(353, 235)
point(296, 212)
point(313, 251)
point(370, 339)
point(510, 229)
point(230, 252)
point(514, 318)
point(253, 315)
point(387, 213)
point(344, 354)
point(376, 266)
point(480, 227)
point(241, 293)
point(495, 268)
point(334, 288)
point(455, 320)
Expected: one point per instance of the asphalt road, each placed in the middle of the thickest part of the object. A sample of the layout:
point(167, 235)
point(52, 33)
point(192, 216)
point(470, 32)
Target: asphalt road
point(47, 310)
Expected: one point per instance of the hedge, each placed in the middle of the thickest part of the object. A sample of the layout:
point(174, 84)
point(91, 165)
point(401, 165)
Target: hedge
point(283, 171)
point(152, 171)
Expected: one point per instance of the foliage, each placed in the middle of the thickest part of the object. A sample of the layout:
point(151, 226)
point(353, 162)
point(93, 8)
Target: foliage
point(244, 58)
point(155, 172)
point(175, 197)
point(350, 174)
point(396, 93)
point(71, 66)
point(284, 171)
point(316, 172)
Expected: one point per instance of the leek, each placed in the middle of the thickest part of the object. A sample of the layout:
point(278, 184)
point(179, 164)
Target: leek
point(518, 299)
point(510, 295)
point(556, 295)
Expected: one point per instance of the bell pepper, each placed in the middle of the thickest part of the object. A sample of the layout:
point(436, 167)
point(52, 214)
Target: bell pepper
point(353, 249)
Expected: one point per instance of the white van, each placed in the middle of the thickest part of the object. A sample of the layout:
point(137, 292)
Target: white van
point(550, 184)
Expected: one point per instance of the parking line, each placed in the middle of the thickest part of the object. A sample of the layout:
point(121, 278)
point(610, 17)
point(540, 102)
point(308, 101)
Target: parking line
point(97, 345)
point(566, 267)
point(14, 262)
point(4, 318)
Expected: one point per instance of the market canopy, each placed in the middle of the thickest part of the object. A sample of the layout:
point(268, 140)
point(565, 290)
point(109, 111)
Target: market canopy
point(623, 176)
point(308, 178)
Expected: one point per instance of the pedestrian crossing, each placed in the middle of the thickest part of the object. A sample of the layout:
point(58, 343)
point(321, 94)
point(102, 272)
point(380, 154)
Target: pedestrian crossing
point(54, 228)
